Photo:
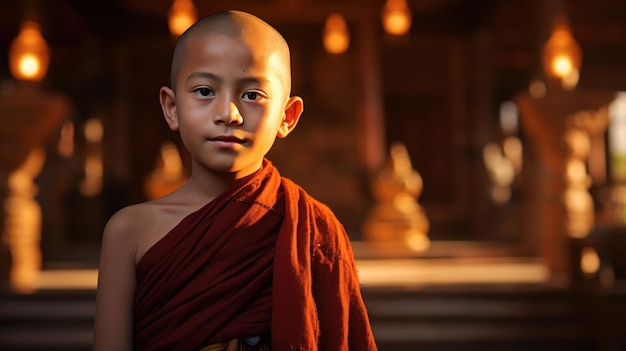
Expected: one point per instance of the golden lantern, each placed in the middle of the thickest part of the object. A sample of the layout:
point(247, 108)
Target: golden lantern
point(29, 54)
point(181, 16)
point(562, 55)
point(396, 17)
point(336, 34)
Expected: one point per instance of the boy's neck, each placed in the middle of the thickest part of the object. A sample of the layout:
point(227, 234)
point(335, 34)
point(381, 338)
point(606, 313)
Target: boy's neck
point(209, 184)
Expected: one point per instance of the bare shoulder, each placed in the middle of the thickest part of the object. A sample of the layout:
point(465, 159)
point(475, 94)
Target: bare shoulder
point(143, 225)
point(122, 220)
point(124, 228)
point(130, 220)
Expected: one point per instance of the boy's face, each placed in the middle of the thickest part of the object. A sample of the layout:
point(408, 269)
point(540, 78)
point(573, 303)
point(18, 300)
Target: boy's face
point(230, 102)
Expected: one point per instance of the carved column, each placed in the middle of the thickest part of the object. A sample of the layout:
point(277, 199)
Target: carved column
point(544, 121)
point(29, 116)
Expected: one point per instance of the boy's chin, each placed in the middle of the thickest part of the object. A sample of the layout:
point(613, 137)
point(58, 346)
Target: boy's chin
point(237, 170)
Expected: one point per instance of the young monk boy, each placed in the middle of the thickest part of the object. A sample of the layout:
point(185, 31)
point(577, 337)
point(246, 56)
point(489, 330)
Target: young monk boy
point(238, 258)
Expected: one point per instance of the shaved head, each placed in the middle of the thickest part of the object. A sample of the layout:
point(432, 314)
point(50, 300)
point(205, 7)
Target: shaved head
point(238, 25)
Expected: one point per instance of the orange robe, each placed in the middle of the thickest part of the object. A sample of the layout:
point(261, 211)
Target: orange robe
point(262, 258)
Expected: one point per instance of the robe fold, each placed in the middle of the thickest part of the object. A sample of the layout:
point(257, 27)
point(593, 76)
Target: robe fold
point(261, 258)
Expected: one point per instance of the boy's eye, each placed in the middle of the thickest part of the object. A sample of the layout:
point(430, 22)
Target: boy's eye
point(251, 95)
point(204, 92)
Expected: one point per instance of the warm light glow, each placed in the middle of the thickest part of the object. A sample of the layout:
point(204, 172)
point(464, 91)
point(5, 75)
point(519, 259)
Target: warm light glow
point(336, 34)
point(172, 163)
point(537, 89)
point(513, 150)
point(578, 142)
point(29, 65)
point(616, 138)
point(396, 17)
point(397, 272)
point(168, 174)
point(562, 54)
point(570, 81)
point(29, 54)
point(577, 199)
point(501, 171)
point(589, 261)
point(181, 16)
point(418, 241)
point(23, 222)
point(562, 65)
point(64, 279)
point(65, 147)
point(93, 168)
point(91, 185)
point(94, 130)
point(575, 171)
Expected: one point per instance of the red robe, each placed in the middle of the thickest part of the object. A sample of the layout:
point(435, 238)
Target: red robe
point(263, 257)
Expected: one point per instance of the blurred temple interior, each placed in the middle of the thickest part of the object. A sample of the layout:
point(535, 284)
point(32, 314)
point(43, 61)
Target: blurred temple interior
point(475, 152)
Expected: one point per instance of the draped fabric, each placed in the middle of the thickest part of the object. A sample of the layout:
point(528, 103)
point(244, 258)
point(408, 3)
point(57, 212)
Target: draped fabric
point(263, 257)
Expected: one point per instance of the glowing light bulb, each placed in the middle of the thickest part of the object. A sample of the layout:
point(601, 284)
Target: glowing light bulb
point(396, 17)
point(181, 16)
point(562, 55)
point(336, 34)
point(29, 54)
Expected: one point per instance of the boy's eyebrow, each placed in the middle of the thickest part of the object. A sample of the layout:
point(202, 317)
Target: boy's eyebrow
point(257, 80)
point(209, 75)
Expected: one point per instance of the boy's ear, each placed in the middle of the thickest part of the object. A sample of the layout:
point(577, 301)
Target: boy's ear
point(168, 105)
point(293, 111)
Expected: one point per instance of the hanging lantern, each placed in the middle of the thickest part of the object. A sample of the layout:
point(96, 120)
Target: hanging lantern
point(181, 16)
point(336, 34)
point(29, 54)
point(562, 54)
point(396, 17)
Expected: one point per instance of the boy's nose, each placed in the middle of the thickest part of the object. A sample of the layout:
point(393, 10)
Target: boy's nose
point(229, 114)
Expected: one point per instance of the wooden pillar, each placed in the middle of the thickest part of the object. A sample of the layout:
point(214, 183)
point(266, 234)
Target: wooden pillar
point(371, 111)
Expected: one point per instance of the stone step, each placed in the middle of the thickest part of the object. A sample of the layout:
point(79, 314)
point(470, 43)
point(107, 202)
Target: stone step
point(47, 320)
point(483, 319)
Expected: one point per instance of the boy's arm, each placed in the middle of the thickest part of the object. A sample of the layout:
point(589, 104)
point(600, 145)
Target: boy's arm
point(113, 325)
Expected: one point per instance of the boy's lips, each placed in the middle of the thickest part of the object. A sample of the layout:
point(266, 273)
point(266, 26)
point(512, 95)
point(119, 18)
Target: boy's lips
point(227, 140)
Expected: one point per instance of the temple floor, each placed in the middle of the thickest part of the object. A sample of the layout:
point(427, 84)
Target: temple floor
point(389, 273)
point(434, 302)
